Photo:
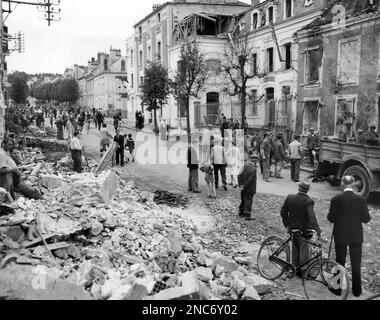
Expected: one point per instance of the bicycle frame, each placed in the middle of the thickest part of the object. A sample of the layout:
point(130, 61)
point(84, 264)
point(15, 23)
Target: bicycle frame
point(274, 257)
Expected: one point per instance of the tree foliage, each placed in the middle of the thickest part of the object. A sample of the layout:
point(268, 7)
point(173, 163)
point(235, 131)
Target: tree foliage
point(64, 90)
point(19, 88)
point(190, 77)
point(155, 88)
point(238, 69)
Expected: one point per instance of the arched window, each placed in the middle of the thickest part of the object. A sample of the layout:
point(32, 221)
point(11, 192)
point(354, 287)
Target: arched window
point(122, 65)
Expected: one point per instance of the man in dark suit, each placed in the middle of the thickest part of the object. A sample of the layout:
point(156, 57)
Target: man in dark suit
point(247, 180)
point(313, 144)
point(193, 165)
point(348, 211)
point(298, 214)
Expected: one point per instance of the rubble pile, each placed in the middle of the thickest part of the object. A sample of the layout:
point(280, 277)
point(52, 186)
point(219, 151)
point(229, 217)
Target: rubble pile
point(95, 237)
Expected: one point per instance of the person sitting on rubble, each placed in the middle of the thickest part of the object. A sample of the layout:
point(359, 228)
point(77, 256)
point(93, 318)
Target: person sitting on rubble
point(12, 180)
point(372, 137)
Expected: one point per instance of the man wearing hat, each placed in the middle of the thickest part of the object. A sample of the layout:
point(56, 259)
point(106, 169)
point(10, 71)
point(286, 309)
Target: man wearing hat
point(360, 139)
point(76, 152)
point(247, 180)
point(298, 214)
point(313, 144)
point(347, 212)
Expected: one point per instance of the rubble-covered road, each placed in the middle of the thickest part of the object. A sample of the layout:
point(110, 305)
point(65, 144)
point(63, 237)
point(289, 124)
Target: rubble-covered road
point(109, 238)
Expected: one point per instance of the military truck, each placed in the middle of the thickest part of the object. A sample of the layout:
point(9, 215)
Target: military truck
point(349, 158)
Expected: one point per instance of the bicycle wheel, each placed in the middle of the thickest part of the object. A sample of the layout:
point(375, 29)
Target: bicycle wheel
point(269, 269)
point(375, 297)
point(326, 280)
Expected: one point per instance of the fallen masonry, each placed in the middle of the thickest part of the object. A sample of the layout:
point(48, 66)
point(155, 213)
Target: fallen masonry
point(99, 237)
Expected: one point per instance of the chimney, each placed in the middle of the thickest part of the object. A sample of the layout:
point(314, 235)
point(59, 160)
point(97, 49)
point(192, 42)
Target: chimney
point(115, 54)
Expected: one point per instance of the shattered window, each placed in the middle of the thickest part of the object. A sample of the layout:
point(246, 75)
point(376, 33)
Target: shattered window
point(255, 20)
point(288, 10)
point(310, 115)
point(345, 116)
point(254, 64)
point(349, 61)
point(313, 65)
point(214, 66)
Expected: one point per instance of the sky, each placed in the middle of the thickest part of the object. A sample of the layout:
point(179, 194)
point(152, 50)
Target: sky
point(86, 28)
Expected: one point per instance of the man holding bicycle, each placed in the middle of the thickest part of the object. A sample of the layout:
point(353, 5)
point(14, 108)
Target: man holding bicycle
point(298, 215)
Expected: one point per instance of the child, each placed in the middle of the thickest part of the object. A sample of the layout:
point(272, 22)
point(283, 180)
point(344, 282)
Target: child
point(209, 178)
point(130, 145)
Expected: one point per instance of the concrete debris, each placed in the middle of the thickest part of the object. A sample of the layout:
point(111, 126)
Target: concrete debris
point(112, 242)
point(50, 181)
point(204, 274)
point(261, 285)
point(250, 294)
point(88, 188)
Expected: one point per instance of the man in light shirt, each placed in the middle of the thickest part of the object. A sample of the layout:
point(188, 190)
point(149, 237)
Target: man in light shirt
point(104, 137)
point(295, 158)
point(218, 159)
point(76, 152)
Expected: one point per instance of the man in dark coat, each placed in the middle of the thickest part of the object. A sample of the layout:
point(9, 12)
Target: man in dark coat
point(265, 150)
point(298, 214)
point(348, 211)
point(193, 165)
point(247, 180)
point(313, 144)
point(278, 156)
point(99, 120)
point(119, 138)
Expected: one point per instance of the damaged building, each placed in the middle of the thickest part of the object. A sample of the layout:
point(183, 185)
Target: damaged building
point(157, 38)
point(338, 70)
point(271, 26)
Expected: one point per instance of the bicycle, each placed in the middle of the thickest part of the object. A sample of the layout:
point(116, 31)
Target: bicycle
point(273, 261)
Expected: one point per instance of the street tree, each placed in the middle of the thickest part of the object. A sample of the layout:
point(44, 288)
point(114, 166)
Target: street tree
point(68, 91)
point(238, 68)
point(155, 88)
point(19, 88)
point(190, 77)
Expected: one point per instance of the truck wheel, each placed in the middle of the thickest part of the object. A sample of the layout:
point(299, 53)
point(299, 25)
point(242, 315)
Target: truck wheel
point(363, 182)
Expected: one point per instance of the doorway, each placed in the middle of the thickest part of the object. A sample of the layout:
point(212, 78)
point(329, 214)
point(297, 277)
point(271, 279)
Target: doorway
point(212, 101)
point(271, 107)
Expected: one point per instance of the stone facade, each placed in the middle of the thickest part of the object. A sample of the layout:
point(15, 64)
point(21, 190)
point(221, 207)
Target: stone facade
point(338, 70)
point(103, 83)
point(155, 40)
point(276, 84)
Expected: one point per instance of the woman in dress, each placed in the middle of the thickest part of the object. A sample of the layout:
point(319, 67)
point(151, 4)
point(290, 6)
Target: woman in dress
point(234, 163)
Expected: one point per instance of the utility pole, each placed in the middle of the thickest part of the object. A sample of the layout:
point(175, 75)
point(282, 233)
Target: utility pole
point(51, 11)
